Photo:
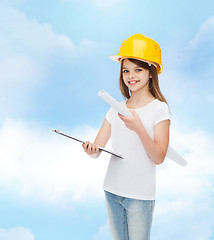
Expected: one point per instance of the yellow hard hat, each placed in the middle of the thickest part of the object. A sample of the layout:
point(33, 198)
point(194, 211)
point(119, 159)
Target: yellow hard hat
point(140, 47)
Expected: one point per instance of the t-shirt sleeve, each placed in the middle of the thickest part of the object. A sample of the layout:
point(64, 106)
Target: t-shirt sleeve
point(163, 113)
point(109, 115)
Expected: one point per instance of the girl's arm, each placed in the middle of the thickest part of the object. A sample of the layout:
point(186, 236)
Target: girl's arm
point(104, 134)
point(100, 140)
point(156, 149)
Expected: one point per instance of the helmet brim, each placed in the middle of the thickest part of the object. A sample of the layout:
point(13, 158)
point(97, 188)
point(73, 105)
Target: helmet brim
point(118, 58)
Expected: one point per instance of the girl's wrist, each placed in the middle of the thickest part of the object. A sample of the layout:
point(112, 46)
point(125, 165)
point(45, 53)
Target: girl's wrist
point(140, 129)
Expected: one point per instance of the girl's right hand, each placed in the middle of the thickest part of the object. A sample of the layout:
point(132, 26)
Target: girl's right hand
point(90, 148)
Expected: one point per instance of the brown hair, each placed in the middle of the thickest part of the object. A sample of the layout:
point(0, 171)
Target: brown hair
point(153, 83)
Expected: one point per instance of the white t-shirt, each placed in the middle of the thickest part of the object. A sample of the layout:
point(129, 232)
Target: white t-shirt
point(135, 175)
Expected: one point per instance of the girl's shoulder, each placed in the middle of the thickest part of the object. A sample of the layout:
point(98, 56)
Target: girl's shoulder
point(160, 104)
point(161, 107)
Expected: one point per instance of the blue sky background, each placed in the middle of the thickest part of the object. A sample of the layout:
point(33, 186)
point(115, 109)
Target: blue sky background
point(54, 59)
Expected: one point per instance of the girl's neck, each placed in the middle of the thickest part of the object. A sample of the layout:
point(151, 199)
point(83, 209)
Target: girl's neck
point(139, 98)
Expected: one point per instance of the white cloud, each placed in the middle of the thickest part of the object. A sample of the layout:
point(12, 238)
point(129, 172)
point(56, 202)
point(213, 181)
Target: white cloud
point(22, 36)
point(195, 180)
point(199, 52)
point(18, 77)
point(27, 38)
point(18, 233)
point(187, 75)
point(23, 71)
point(40, 164)
point(185, 194)
point(27, 45)
point(30, 51)
point(33, 156)
point(26, 55)
point(204, 38)
point(103, 233)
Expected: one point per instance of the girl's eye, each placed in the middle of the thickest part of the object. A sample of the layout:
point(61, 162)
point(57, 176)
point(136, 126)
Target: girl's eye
point(125, 71)
point(138, 70)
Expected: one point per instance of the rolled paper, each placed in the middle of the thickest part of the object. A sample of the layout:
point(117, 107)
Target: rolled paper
point(174, 156)
point(171, 153)
point(114, 103)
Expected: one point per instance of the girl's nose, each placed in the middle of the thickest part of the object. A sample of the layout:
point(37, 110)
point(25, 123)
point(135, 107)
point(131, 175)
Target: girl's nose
point(131, 75)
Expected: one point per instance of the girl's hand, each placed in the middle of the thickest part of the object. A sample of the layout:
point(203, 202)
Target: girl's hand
point(90, 148)
point(133, 123)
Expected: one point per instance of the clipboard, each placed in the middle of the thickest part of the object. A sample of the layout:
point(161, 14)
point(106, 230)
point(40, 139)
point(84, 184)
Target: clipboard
point(76, 139)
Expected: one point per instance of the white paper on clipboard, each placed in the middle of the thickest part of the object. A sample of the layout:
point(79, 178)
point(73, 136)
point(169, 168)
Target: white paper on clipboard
point(76, 139)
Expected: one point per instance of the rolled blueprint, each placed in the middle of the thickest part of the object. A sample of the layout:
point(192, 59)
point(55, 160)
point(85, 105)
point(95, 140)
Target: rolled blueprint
point(171, 153)
point(114, 103)
point(174, 156)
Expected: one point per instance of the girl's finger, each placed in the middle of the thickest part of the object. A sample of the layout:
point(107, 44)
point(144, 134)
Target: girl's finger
point(90, 147)
point(94, 146)
point(120, 116)
point(96, 149)
point(85, 145)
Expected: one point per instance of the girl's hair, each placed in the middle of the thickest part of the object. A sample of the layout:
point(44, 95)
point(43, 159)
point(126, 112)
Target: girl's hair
point(153, 83)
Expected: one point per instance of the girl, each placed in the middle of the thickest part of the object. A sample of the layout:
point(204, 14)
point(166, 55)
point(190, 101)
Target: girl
point(143, 140)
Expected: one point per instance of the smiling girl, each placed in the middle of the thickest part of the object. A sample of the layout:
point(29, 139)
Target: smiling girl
point(130, 184)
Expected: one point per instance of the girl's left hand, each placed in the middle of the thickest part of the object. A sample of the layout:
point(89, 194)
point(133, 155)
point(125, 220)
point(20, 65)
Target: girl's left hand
point(133, 123)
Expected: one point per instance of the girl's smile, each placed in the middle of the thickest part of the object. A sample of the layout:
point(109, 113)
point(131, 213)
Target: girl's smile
point(133, 82)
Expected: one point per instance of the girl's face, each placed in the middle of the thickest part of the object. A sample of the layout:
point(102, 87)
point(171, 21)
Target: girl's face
point(135, 77)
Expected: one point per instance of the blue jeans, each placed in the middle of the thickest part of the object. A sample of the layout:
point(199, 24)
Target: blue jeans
point(129, 219)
